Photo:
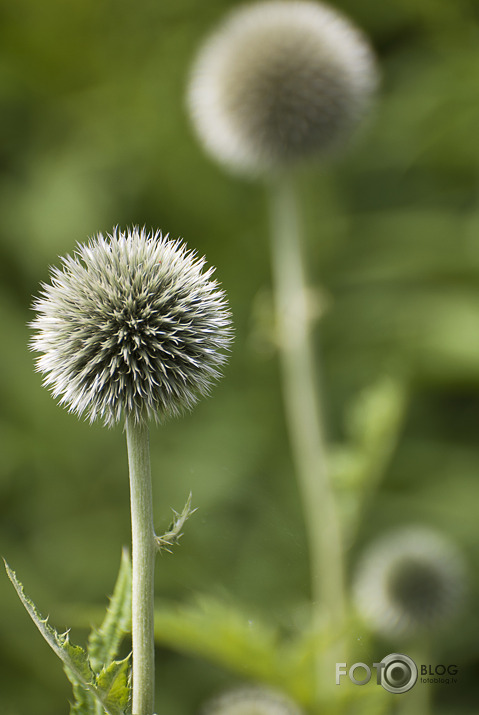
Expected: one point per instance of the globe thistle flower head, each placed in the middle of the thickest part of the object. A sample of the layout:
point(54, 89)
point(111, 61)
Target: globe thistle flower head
point(280, 81)
point(131, 325)
point(410, 581)
point(251, 701)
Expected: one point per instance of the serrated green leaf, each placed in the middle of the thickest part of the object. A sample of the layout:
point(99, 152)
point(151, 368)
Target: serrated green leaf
point(85, 703)
point(227, 636)
point(104, 642)
point(75, 660)
point(113, 683)
point(174, 533)
point(73, 657)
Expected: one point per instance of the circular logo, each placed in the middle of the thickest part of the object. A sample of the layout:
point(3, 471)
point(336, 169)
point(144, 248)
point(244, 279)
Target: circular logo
point(399, 673)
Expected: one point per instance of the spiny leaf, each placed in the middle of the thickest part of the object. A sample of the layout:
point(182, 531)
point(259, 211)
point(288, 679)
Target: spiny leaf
point(75, 660)
point(225, 635)
point(113, 682)
point(73, 657)
point(85, 703)
point(174, 533)
point(104, 642)
point(213, 629)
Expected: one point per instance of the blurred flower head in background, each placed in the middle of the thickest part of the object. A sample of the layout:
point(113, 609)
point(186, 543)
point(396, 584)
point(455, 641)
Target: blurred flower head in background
point(279, 82)
point(411, 580)
point(251, 701)
point(131, 326)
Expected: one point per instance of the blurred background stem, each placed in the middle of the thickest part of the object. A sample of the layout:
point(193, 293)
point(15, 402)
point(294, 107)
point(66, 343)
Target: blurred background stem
point(302, 404)
point(143, 564)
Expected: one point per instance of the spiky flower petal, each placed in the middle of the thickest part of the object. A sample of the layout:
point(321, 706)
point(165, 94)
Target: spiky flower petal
point(279, 82)
point(131, 325)
point(411, 580)
point(251, 701)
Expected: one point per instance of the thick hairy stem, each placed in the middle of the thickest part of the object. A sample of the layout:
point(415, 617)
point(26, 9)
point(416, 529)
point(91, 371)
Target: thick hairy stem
point(302, 403)
point(143, 564)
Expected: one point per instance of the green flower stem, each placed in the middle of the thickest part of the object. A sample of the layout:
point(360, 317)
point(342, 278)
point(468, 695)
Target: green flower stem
point(143, 563)
point(302, 405)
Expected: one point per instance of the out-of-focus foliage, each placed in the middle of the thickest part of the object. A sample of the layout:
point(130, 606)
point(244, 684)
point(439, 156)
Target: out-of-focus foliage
point(94, 133)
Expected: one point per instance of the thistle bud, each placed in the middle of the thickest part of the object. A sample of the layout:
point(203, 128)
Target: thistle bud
point(410, 581)
point(280, 82)
point(251, 701)
point(131, 325)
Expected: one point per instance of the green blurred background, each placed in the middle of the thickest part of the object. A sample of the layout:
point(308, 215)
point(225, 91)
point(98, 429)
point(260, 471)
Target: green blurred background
point(94, 133)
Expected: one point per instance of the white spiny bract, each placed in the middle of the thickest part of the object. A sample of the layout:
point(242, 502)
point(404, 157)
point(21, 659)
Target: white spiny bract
point(410, 581)
point(131, 326)
point(280, 82)
point(251, 701)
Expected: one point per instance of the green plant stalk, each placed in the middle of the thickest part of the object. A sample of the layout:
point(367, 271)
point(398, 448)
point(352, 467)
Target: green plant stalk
point(302, 403)
point(143, 564)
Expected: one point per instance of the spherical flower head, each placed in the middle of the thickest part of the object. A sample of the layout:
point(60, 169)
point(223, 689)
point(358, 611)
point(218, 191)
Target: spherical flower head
point(411, 581)
point(251, 701)
point(131, 326)
point(280, 82)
